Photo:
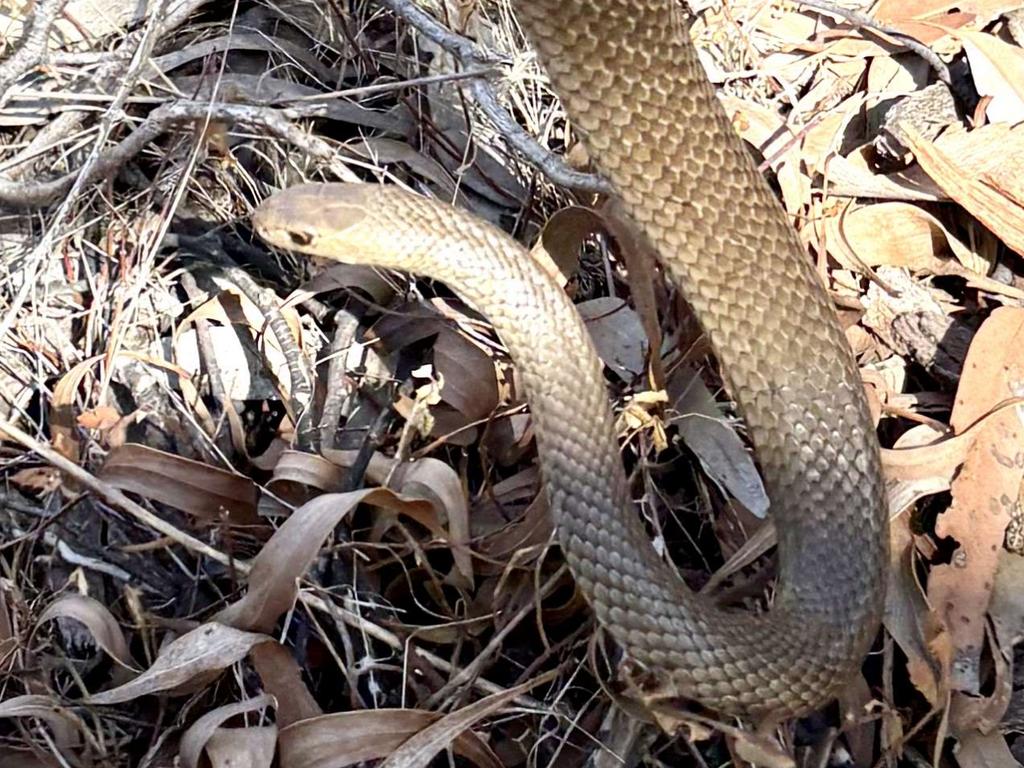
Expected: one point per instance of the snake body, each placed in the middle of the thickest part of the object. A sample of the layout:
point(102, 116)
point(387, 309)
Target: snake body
point(631, 82)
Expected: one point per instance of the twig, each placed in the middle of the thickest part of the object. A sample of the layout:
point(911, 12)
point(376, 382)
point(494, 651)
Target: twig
point(161, 119)
point(111, 71)
point(34, 45)
point(471, 57)
point(864, 21)
point(78, 180)
point(116, 498)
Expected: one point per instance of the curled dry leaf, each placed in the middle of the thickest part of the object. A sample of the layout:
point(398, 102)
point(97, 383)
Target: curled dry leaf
point(470, 383)
point(337, 276)
point(930, 20)
point(195, 738)
point(985, 492)
point(348, 738)
point(285, 558)
point(198, 489)
point(429, 480)
point(193, 657)
point(713, 440)
point(978, 750)
point(97, 618)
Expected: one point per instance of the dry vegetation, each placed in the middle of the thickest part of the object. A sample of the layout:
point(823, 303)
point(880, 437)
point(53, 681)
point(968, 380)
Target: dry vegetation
point(257, 511)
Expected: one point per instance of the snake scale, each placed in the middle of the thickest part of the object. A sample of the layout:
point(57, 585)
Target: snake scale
point(631, 82)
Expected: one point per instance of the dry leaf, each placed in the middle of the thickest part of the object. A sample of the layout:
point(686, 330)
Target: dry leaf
point(64, 724)
point(282, 678)
point(242, 747)
point(558, 247)
point(37, 479)
point(208, 493)
point(348, 738)
point(285, 558)
point(419, 750)
point(993, 191)
point(618, 335)
point(976, 750)
point(193, 656)
point(985, 492)
point(910, 621)
point(96, 618)
point(470, 382)
point(997, 69)
point(195, 738)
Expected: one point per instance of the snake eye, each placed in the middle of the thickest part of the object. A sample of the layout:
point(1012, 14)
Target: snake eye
point(300, 237)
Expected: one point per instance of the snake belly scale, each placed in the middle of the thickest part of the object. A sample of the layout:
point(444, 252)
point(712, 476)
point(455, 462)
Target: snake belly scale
point(631, 82)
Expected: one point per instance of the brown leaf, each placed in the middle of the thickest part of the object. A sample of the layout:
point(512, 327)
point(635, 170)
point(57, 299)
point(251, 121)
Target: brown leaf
point(195, 655)
point(419, 750)
point(992, 191)
point(929, 20)
point(282, 678)
point(97, 618)
point(37, 479)
point(195, 738)
point(64, 724)
point(191, 486)
point(285, 558)
point(985, 491)
point(558, 247)
point(470, 383)
point(978, 750)
point(910, 620)
point(997, 69)
point(347, 738)
point(618, 335)
point(242, 747)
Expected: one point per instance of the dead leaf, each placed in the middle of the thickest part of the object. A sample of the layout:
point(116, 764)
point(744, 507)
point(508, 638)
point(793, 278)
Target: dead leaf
point(419, 750)
point(558, 247)
point(195, 739)
point(64, 724)
point(993, 191)
point(997, 70)
point(242, 747)
point(285, 558)
point(96, 618)
point(348, 738)
point(911, 622)
point(470, 382)
point(37, 479)
point(282, 678)
point(618, 335)
point(976, 750)
point(194, 656)
point(985, 492)
point(208, 493)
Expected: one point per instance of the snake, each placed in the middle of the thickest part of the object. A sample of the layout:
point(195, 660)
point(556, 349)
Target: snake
point(633, 88)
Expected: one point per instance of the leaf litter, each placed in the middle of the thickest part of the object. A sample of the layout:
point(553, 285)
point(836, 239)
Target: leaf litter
point(337, 548)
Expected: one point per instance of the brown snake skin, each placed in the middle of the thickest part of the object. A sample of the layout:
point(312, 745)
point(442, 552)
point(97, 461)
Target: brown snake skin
point(631, 82)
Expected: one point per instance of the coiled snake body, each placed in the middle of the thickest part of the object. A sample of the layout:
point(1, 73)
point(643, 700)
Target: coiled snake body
point(631, 82)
